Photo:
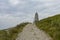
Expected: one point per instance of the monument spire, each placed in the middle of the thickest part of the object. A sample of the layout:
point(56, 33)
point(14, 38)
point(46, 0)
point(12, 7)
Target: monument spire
point(36, 17)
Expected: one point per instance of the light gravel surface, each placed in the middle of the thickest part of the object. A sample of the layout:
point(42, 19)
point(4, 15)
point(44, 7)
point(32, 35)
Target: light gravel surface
point(31, 32)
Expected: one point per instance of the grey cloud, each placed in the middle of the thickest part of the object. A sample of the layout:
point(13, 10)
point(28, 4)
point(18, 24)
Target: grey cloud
point(25, 10)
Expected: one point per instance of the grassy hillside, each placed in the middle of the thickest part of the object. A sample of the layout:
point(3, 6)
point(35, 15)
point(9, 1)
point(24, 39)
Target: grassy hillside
point(51, 25)
point(11, 33)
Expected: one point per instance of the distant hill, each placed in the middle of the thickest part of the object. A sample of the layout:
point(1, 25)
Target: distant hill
point(51, 25)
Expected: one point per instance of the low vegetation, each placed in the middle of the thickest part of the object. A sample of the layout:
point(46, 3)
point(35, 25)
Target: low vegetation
point(51, 25)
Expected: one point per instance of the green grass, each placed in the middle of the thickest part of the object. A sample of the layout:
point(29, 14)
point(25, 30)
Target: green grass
point(3, 35)
point(51, 25)
point(12, 33)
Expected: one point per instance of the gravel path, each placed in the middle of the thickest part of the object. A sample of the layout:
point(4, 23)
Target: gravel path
point(31, 32)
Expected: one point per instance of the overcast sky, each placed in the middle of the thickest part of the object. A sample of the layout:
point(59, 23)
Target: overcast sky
point(13, 12)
